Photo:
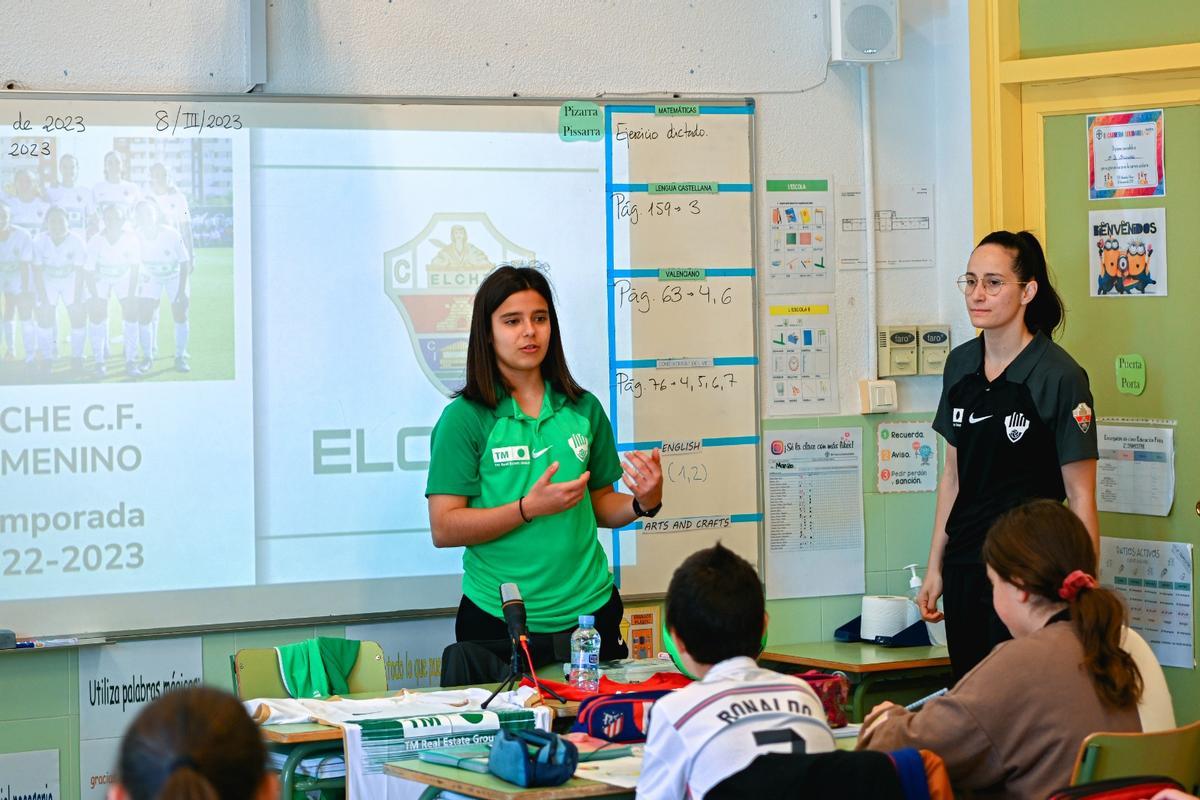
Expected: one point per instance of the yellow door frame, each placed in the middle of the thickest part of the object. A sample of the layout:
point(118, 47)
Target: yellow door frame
point(1011, 97)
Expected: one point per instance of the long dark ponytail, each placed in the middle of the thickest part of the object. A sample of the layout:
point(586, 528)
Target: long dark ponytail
point(1038, 546)
point(1045, 311)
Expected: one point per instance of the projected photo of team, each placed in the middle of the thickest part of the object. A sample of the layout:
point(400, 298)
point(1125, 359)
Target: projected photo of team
point(116, 259)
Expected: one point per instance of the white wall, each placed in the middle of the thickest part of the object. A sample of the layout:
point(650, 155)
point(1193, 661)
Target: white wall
point(774, 50)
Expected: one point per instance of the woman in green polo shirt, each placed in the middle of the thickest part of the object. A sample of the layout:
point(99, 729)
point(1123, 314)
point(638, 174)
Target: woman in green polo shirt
point(521, 473)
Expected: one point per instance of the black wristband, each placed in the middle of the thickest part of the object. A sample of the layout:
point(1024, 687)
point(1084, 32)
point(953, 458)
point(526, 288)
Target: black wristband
point(521, 509)
point(644, 512)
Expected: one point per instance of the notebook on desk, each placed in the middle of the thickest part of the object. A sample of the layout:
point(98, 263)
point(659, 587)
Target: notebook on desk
point(471, 757)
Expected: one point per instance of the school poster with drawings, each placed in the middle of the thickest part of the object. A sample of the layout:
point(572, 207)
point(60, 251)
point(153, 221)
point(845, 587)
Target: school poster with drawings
point(1128, 252)
point(799, 258)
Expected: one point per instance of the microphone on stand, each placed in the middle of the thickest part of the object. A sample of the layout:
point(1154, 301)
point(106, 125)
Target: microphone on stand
point(518, 633)
point(514, 611)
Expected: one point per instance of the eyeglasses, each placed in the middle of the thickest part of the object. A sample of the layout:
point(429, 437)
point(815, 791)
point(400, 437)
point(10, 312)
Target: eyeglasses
point(991, 284)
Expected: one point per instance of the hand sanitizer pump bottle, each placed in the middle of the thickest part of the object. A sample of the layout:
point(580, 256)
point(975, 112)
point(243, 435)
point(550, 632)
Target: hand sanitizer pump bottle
point(914, 588)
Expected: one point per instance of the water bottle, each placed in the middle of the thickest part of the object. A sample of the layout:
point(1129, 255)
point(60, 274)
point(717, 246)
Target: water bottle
point(585, 655)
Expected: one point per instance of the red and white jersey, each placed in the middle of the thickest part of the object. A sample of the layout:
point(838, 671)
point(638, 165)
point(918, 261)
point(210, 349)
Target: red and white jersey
point(113, 260)
point(74, 200)
point(29, 214)
point(173, 206)
point(15, 250)
point(62, 259)
point(703, 733)
point(122, 193)
point(162, 252)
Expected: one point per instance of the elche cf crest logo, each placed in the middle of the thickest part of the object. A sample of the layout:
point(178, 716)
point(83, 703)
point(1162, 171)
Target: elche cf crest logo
point(432, 279)
point(1083, 416)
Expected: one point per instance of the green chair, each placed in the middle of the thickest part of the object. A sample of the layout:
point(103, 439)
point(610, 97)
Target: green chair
point(256, 674)
point(1174, 753)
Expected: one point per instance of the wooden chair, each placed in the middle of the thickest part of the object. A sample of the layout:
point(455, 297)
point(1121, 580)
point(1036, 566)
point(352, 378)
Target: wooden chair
point(256, 672)
point(1174, 753)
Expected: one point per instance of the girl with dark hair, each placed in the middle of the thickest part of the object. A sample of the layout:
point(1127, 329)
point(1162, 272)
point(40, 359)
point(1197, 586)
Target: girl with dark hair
point(1013, 726)
point(193, 744)
point(1016, 414)
point(521, 472)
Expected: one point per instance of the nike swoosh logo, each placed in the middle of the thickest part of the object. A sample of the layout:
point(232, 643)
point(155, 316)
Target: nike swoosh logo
point(540, 453)
point(973, 419)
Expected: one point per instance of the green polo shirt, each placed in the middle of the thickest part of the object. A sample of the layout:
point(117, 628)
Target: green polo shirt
point(493, 457)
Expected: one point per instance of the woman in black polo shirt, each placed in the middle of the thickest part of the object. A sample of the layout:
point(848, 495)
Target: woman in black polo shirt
point(1016, 414)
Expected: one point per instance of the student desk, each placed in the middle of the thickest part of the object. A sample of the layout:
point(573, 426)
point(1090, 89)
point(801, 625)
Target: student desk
point(865, 664)
point(308, 739)
point(302, 732)
point(489, 787)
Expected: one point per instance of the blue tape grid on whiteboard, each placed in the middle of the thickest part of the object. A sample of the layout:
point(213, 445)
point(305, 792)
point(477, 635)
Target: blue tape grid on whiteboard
point(612, 272)
point(715, 272)
point(723, 361)
point(733, 519)
point(715, 441)
point(645, 187)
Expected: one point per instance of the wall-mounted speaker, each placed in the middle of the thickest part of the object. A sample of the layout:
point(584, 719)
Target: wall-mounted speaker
point(864, 31)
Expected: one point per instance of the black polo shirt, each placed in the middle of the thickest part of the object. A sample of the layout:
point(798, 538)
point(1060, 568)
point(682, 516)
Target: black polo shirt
point(1013, 434)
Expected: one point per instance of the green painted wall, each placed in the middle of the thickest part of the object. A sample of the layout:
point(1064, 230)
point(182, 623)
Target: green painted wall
point(1062, 27)
point(1162, 329)
point(39, 692)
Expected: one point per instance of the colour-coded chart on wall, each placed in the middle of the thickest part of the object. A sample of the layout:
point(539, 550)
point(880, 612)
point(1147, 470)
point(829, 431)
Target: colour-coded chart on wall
point(682, 349)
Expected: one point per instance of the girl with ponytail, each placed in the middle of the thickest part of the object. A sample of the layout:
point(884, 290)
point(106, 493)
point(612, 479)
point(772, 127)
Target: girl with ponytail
point(1051, 576)
point(1016, 414)
point(193, 744)
point(1013, 726)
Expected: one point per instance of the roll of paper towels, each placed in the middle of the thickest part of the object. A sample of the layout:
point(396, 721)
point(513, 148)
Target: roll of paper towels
point(914, 613)
point(883, 615)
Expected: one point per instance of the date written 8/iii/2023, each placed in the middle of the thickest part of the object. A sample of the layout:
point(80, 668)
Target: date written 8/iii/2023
point(69, 558)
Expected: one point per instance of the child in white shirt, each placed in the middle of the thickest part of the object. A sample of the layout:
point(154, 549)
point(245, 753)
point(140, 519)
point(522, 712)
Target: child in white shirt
point(735, 711)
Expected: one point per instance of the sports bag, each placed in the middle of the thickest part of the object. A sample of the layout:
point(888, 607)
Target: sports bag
point(617, 717)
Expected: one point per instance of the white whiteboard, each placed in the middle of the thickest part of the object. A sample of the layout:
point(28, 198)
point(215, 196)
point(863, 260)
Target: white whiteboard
point(337, 243)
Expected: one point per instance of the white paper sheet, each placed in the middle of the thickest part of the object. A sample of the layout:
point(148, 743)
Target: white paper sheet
point(907, 457)
point(903, 227)
point(800, 216)
point(815, 543)
point(1136, 472)
point(1155, 578)
point(801, 360)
